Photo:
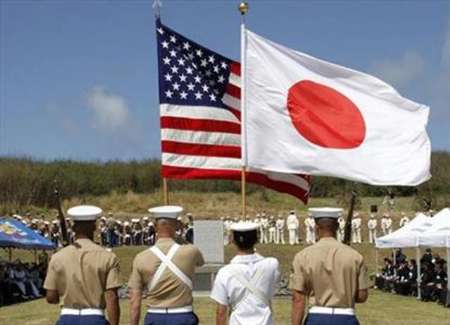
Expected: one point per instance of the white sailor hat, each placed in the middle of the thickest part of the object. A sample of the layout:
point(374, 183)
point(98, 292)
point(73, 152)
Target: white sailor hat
point(46, 223)
point(54, 222)
point(84, 213)
point(166, 211)
point(135, 220)
point(126, 223)
point(103, 218)
point(332, 213)
point(244, 226)
point(145, 218)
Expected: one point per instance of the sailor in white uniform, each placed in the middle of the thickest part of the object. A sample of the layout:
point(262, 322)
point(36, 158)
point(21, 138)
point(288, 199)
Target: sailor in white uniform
point(372, 225)
point(341, 229)
point(246, 285)
point(404, 220)
point(280, 230)
point(293, 225)
point(310, 228)
point(263, 227)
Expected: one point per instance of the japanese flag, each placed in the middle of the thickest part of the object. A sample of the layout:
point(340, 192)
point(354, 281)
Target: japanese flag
point(305, 115)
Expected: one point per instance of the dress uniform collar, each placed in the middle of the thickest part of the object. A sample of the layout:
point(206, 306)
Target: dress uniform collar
point(327, 240)
point(165, 240)
point(84, 241)
point(246, 259)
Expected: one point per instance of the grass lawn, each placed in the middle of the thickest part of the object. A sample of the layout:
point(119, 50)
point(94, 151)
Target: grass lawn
point(382, 308)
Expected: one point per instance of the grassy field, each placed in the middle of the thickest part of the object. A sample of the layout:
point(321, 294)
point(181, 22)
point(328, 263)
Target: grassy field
point(215, 205)
point(382, 308)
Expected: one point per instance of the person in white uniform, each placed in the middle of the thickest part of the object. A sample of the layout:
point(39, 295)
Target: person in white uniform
point(372, 225)
point(292, 225)
point(246, 285)
point(263, 227)
point(384, 224)
point(389, 224)
point(404, 220)
point(341, 229)
point(356, 229)
point(280, 230)
point(272, 230)
point(310, 227)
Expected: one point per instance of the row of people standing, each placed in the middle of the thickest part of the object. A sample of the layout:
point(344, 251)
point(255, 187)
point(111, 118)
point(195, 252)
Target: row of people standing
point(84, 277)
point(274, 230)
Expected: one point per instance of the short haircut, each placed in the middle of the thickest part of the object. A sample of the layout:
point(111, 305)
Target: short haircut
point(245, 240)
point(329, 223)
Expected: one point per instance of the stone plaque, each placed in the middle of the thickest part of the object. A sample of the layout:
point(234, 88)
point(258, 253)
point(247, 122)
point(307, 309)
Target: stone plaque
point(208, 237)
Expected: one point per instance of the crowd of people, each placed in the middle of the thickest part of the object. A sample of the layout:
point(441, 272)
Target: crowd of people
point(399, 275)
point(291, 229)
point(21, 281)
point(112, 232)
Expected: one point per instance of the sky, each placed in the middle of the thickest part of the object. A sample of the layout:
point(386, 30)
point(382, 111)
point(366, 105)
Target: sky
point(78, 79)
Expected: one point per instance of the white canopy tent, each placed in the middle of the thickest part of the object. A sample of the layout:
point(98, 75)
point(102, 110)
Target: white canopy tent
point(407, 236)
point(422, 231)
point(439, 236)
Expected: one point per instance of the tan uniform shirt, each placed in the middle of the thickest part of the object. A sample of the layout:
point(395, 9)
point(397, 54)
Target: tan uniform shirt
point(330, 273)
point(170, 291)
point(81, 273)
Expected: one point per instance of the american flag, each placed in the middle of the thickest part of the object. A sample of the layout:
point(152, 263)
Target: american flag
point(199, 93)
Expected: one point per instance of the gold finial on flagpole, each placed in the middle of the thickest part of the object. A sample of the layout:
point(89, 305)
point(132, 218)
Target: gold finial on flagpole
point(243, 7)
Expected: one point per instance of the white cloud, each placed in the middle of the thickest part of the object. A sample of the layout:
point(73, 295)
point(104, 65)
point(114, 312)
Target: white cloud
point(399, 72)
point(110, 110)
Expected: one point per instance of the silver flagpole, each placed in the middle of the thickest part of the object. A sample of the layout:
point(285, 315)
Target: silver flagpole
point(243, 8)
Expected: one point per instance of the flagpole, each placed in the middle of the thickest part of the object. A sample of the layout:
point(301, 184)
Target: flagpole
point(243, 9)
point(157, 4)
point(166, 191)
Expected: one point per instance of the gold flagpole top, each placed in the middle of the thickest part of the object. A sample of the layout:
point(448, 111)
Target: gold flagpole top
point(243, 7)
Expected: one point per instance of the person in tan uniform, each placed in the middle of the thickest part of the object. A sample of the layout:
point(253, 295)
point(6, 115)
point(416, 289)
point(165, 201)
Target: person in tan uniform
point(83, 276)
point(165, 271)
point(331, 275)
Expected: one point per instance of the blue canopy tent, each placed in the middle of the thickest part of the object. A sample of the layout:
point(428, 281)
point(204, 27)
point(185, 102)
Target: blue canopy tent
point(14, 234)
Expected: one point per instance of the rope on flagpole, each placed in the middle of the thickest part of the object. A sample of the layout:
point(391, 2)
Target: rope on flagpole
point(243, 9)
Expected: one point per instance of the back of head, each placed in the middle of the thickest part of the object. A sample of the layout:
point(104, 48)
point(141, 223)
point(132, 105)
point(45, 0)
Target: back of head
point(245, 241)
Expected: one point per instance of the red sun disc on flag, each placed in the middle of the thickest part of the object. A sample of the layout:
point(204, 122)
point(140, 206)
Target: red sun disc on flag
point(324, 116)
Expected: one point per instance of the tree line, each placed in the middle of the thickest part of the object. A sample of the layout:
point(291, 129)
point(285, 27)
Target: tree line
point(26, 182)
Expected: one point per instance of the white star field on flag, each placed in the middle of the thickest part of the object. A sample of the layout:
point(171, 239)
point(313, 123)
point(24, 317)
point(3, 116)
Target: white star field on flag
point(191, 74)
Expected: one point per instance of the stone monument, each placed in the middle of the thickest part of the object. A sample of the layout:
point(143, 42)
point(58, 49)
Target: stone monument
point(208, 237)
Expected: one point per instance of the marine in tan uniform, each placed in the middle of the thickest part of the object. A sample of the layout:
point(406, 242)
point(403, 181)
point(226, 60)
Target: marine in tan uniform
point(83, 276)
point(165, 271)
point(328, 274)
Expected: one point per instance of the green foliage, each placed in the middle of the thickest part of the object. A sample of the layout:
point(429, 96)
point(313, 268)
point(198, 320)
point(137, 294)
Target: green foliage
point(26, 182)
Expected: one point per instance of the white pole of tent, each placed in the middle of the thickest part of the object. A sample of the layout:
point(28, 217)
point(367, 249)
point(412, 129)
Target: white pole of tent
point(419, 295)
point(376, 261)
point(394, 258)
point(448, 271)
